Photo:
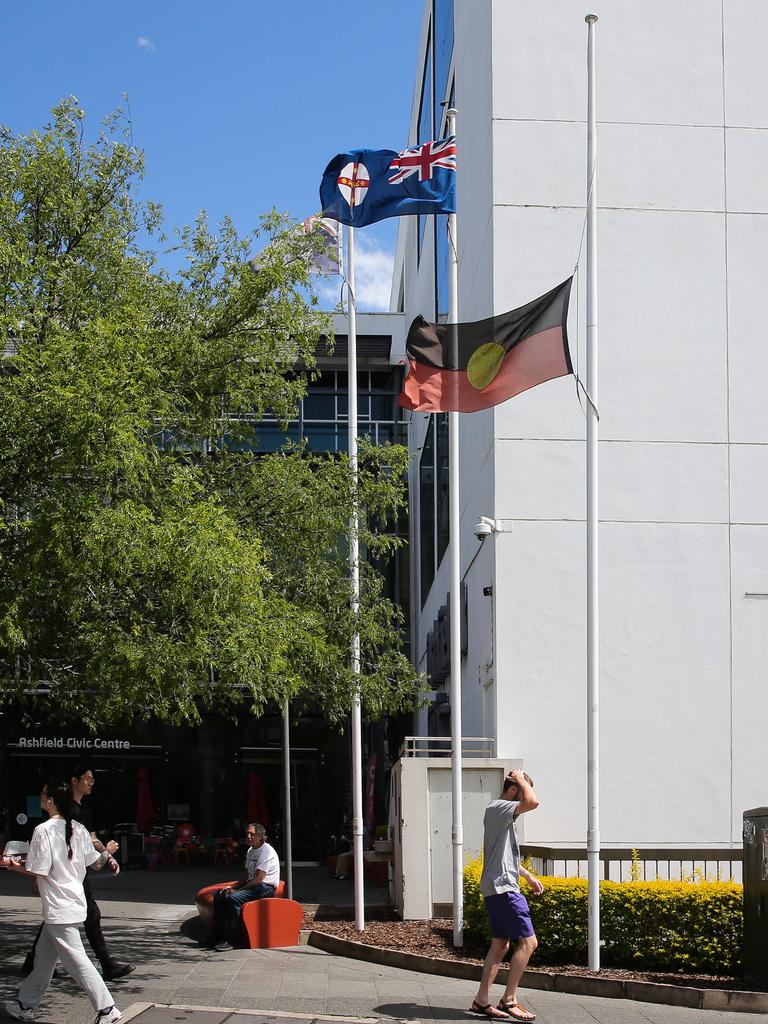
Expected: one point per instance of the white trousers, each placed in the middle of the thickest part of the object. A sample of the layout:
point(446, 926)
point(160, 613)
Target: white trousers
point(63, 942)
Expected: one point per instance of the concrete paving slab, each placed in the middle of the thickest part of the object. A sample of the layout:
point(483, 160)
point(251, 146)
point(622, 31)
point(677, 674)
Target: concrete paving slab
point(307, 1005)
point(303, 977)
point(204, 996)
point(267, 1018)
point(171, 1015)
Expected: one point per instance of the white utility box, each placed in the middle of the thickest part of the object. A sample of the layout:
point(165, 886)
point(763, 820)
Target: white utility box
point(420, 817)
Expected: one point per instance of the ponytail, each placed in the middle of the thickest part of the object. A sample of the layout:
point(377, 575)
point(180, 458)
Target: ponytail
point(59, 792)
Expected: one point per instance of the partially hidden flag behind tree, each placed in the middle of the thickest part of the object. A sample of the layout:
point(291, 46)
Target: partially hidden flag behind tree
point(326, 259)
point(473, 366)
point(368, 185)
point(322, 256)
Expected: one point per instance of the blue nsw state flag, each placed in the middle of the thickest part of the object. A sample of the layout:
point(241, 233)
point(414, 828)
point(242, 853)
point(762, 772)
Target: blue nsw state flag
point(367, 185)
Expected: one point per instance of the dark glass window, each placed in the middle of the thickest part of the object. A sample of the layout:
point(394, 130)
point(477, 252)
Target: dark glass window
point(442, 252)
point(324, 413)
point(425, 125)
point(443, 50)
point(442, 258)
point(271, 436)
point(427, 511)
point(320, 437)
point(442, 485)
point(382, 407)
point(319, 407)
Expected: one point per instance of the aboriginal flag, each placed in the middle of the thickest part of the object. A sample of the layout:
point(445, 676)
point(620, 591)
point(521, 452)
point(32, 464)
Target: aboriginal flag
point(467, 367)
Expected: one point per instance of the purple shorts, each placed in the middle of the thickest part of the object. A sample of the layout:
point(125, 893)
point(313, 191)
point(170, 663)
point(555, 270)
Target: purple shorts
point(509, 916)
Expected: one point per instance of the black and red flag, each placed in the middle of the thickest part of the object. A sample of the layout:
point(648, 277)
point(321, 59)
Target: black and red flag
point(473, 366)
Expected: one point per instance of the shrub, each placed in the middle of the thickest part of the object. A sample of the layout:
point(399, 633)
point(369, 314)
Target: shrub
point(652, 926)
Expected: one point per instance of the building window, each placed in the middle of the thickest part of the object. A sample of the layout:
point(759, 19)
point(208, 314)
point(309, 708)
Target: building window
point(434, 500)
point(322, 416)
point(425, 127)
point(427, 511)
point(442, 254)
point(442, 19)
point(442, 492)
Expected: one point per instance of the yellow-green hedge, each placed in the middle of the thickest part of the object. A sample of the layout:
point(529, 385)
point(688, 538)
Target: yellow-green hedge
point(652, 926)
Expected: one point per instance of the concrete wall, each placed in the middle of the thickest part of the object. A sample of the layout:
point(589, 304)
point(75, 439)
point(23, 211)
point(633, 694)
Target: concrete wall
point(683, 250)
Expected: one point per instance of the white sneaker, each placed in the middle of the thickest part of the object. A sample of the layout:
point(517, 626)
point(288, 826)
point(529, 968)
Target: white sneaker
point(14, 1009)
point(110, 1016)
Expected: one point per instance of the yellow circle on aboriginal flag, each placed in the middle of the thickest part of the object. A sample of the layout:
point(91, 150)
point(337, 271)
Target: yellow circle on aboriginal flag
point(484, 363)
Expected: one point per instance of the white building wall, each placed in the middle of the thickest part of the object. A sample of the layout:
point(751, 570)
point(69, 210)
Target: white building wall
point(683, 250)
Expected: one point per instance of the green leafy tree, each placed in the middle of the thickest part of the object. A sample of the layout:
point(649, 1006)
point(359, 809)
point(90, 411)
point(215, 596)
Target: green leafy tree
point(147, 567)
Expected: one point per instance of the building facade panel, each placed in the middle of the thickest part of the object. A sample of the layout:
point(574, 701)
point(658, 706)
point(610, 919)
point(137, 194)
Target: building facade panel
point(540, 688)
point(664, 682)
point(749, 595)
point(662, 326)
point(747, 151)
point(683, 375)
point(665, 483)
point(642, 166)
point(747, 317)
point(639, 481)
point(749, 484)
point(745, 25)
point(659, 62)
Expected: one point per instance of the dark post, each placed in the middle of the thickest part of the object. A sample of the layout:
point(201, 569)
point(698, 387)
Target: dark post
point(755, 868)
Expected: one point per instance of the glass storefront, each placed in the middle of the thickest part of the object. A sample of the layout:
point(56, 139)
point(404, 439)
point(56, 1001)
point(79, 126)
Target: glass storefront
point(215, 777)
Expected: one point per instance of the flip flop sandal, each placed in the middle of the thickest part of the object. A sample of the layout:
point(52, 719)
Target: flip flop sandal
point(489, 1011)
point(516, 1011)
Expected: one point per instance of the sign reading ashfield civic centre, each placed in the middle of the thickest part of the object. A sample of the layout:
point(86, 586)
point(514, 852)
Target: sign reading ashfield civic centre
point(70, 743)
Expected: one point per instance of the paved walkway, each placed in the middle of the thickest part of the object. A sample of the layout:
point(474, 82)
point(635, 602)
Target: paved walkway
point(171, 968)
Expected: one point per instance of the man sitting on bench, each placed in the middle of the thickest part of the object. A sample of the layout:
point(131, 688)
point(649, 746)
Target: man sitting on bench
point(263, 869)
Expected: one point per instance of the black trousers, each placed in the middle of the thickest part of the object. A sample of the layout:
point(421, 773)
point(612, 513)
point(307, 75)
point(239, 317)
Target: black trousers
point(93, 933)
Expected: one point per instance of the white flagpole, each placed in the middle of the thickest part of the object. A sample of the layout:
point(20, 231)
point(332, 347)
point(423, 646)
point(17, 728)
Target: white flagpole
point(457, 830)
point(287, 828)
point(593, 704)
point(354, 568)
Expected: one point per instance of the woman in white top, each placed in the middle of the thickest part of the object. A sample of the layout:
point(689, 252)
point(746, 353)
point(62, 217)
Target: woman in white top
point(60, 851)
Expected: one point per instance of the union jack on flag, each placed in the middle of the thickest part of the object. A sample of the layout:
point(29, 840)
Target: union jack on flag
point(423, 159)
point(363, 186)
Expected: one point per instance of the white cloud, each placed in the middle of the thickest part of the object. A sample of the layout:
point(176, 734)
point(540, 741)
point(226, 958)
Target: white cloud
point(145, 43)
point(373, 278)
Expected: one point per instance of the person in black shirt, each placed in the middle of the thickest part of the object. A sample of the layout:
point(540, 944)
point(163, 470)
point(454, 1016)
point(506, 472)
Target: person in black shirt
point(81, 783)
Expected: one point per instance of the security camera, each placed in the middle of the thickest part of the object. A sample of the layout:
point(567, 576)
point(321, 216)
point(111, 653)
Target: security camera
point(483, 528)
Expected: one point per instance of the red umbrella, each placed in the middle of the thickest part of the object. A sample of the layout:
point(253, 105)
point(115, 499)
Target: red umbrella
point(257, 802)
point(145, 809)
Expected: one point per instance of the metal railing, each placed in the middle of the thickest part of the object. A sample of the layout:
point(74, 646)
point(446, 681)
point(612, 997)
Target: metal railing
point(714, 863)
point(440, 746)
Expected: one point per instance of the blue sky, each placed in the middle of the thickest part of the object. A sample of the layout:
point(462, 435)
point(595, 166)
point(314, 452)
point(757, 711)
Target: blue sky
point(238, 106)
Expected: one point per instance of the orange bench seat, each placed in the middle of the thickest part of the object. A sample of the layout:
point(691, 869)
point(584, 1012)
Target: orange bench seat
point(272, 922)
point(204, 899)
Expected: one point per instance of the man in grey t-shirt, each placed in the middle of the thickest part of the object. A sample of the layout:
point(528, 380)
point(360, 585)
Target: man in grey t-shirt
point(508, 913)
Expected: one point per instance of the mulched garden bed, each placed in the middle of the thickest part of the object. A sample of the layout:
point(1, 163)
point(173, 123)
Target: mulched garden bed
point(435, 938)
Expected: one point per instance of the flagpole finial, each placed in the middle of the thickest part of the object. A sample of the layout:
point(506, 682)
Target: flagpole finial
point(591, 19)
point(452, 112)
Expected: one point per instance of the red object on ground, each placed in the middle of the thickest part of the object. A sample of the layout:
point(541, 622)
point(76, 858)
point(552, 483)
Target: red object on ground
point(270, 923)
point(257, 801)
point(204, 899)
point(185, 845)
point(145, 808)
